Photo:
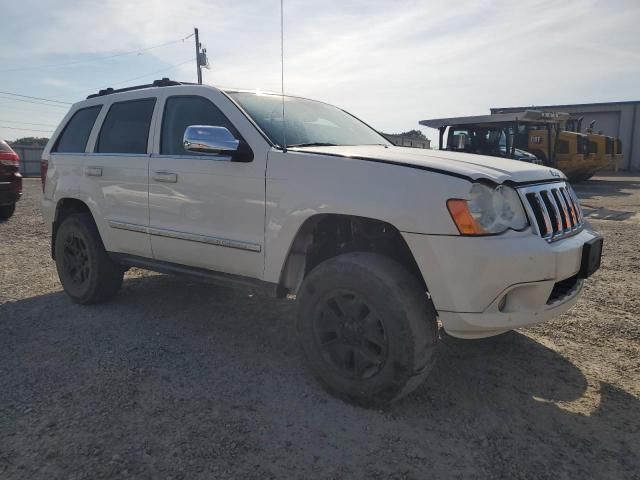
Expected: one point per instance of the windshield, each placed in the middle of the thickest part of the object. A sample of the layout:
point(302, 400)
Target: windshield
point(308, 122)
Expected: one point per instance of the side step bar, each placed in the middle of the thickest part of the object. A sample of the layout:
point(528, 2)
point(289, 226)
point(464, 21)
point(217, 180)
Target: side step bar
point(194, 273)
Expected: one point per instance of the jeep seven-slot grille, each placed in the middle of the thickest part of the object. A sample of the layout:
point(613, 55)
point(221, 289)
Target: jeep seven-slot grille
point(555, 209)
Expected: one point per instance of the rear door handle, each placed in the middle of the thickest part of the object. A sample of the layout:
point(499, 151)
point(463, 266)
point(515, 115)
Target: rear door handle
point(165, 177)
point(93, 171)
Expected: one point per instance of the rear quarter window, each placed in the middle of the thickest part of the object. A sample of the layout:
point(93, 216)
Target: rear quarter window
point(75, 135)
point(126, 127)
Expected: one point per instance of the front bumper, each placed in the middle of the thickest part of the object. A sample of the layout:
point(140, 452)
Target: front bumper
point(484, 286)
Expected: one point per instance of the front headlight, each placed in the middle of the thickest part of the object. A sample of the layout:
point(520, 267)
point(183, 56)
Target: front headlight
point(488, 211)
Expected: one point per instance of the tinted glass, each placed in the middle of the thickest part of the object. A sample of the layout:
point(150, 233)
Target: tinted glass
point(307, 122)
point(75, 135)
point(180, 112)
point(126, 127)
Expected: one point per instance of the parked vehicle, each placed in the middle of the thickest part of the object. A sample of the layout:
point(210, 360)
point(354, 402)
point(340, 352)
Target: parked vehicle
point(10, 180)
point(486, 140)
point(536, 132)
point(374, 242)
point(569, 150)
point(520, 155)
point(601, 148)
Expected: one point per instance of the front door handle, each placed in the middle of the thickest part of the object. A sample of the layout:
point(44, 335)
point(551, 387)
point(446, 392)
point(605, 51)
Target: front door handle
point(93, 171)
point(165, 177)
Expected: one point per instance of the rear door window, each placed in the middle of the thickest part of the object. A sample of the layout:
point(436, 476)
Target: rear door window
point(73, 138)
point(126, 127)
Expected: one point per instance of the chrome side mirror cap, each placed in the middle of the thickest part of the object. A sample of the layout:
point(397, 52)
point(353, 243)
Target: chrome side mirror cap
point(208, 140)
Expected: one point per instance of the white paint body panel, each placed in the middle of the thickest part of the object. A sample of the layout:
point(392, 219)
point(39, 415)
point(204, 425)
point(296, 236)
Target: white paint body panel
point(212, 197)
point(301, 185)
point(264, 203)
point(472, 166)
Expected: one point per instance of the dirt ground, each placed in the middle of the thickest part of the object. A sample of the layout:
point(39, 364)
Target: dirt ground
point(177, 380)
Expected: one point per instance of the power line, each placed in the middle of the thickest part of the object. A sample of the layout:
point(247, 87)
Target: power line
point(34, 102)
point(52, 103)
point(27, 129)
point(28, 123)
point(35, 98)
point(33, 108)
point(171, 67)
point(122, 54)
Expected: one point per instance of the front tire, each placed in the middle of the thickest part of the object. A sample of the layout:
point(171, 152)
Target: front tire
point(6, 211)
point(87, 273)
point(367, 328)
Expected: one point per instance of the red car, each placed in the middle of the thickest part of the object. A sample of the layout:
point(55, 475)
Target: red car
point(10, 180)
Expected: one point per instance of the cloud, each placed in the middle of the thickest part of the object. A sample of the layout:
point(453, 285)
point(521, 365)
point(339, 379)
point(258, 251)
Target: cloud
point(56, 82)
point(392, 63)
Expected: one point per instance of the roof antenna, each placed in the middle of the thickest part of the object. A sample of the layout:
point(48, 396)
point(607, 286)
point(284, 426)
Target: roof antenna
point(284, 125)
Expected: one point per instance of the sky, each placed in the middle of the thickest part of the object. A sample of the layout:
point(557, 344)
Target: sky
point(389, 63)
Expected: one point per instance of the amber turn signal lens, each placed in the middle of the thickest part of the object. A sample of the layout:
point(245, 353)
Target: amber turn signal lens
point(459, 210)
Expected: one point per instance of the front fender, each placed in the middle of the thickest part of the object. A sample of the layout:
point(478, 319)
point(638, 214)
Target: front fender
point(300, 186)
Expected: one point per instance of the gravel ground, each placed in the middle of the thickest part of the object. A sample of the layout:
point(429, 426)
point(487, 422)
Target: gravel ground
point(179, 380)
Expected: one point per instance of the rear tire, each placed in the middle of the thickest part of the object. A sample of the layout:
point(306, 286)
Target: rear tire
point(6, 211)
point(87, 273)
point(367, 328)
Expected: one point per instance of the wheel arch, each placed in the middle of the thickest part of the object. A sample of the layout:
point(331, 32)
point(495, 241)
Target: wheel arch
point(65, 207)
point(327, 235)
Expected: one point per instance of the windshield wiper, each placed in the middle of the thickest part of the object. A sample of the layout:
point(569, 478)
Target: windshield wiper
point(312, 144)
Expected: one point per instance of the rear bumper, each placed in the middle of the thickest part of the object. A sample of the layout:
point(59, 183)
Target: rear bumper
point(10, 189)
point(487, 285)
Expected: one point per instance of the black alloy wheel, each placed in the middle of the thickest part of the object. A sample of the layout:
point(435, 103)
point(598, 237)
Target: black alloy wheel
point(366, 327)
point(350, 335)
point(76, 259)
point(86, 271)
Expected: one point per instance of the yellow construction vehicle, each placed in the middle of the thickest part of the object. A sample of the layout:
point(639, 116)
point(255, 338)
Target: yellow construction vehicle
point(601, 149)
point(509, 134)
point(570, 150)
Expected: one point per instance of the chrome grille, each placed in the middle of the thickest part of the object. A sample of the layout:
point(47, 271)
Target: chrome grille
point(553, 209)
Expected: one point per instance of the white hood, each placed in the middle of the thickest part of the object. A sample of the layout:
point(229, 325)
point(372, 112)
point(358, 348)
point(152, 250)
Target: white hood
point(465, 164)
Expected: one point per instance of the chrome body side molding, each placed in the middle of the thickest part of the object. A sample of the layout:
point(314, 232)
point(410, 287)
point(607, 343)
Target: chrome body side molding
point(191, 237)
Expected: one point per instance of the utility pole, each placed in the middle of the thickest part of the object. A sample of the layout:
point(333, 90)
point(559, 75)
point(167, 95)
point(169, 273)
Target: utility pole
point(198, 66)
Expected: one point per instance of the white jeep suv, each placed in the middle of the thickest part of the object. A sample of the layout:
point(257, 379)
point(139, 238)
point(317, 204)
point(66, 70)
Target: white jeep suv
point(374, 241)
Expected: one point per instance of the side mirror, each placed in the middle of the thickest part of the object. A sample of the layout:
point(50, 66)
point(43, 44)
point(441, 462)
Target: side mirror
point(209, 140)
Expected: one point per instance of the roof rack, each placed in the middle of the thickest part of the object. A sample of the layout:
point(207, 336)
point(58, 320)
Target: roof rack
point(164, 82)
